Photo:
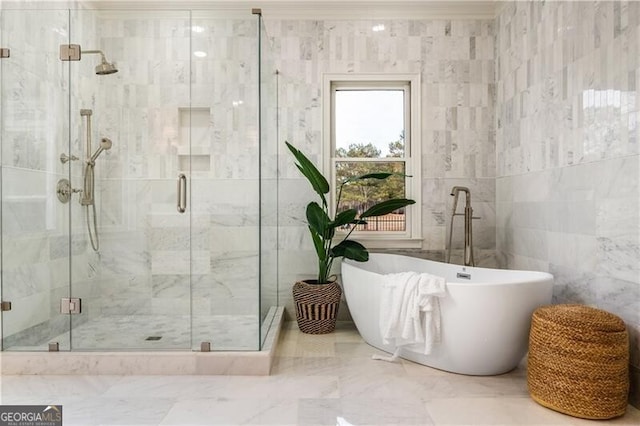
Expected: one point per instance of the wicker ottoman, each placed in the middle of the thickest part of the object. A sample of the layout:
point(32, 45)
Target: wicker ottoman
point(578, 361)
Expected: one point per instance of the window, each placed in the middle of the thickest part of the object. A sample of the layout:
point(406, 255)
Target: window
point(372, 125)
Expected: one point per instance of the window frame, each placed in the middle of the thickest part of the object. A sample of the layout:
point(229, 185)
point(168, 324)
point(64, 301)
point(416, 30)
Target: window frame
point(410, 83)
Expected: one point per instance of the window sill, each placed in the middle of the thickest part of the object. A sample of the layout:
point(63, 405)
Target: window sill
point(388, 243)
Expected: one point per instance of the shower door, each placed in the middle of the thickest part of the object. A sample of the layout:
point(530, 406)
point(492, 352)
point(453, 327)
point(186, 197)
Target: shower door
point(226, 180)
point(136, 288)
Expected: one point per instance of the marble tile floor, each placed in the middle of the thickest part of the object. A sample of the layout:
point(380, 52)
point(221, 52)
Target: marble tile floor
point(315, 380)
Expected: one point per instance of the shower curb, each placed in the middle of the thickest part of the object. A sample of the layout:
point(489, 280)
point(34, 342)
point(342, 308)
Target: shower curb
point(251, 363)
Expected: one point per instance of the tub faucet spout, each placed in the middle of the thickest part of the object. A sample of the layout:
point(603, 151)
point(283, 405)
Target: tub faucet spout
point(468, 216)
point(455, 192)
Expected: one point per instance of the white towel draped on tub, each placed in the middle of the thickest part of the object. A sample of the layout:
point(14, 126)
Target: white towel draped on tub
point(410, 310)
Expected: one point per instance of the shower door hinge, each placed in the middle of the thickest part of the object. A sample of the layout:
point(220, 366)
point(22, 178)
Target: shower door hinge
point(5, 52)
point(71, 305)
point(5, 306)
point(70, 52)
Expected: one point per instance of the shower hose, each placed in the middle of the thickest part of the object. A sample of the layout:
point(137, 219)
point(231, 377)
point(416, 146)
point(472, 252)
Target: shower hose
point(89, 187)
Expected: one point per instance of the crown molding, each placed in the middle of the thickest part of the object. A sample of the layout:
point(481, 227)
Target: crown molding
point(367, 9)
point(292, 9)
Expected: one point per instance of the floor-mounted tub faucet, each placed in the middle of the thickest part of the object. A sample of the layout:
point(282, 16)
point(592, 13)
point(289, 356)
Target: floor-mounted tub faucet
point(468, 216)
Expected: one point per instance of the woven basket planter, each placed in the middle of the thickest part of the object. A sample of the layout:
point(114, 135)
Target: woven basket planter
point(316, 306)
point(578, 361)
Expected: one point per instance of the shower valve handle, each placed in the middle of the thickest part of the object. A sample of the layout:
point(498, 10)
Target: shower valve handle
point(64, 158)
point(64, 190)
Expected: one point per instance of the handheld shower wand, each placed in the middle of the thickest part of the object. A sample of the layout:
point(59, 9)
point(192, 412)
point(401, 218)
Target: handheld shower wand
point(87, 199)
point(105, 145)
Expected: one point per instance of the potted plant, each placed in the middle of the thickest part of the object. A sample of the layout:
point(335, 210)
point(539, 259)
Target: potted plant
point(317, 300)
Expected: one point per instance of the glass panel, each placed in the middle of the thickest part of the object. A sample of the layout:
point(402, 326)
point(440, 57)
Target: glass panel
point(369, 123)
point(2, 97)
point(135, 287)
point(268, 183)
point(361, 195)
point(225, 205)
point(34, 133)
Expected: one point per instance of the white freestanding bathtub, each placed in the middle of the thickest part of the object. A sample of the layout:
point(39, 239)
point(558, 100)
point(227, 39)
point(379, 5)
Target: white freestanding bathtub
point(485, 315)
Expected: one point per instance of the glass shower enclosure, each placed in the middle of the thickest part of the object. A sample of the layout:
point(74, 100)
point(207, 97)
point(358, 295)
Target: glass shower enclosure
point(138, 167)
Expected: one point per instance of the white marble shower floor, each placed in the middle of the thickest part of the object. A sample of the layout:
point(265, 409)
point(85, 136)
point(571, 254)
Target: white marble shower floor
point(224, 332)
point(130, 332)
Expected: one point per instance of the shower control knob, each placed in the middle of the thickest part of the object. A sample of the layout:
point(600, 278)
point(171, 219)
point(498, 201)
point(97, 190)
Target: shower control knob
point(64, 190)
point(64, 158)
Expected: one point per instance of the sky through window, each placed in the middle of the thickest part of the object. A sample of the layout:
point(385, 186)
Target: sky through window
point(369, 116)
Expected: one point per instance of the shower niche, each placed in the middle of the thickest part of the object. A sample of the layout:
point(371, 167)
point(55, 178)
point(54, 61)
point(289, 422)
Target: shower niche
point(195, 137)
point(136, 128)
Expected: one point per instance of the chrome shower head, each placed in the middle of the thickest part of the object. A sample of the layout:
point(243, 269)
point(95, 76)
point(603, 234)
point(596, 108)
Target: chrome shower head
point(104, 67)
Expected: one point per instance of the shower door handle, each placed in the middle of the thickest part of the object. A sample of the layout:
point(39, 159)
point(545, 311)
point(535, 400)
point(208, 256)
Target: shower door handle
point(182, 193)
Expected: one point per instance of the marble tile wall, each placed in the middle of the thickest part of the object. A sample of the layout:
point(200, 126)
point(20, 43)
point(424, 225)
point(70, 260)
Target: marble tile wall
point(455, 59)
point(567, 187)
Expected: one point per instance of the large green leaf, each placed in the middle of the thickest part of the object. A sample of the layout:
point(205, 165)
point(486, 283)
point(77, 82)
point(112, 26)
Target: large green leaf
point(351, 250)
point(380, 176)
point(318, 219)
point(386, 207)
point(344, 217)
point(318, 244)
point(313, 175)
